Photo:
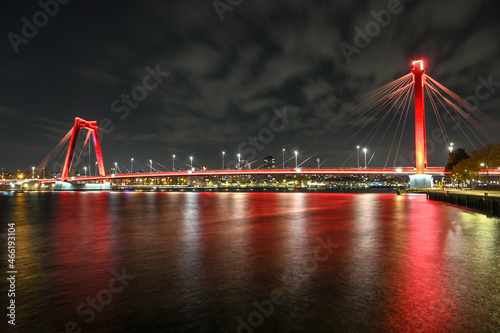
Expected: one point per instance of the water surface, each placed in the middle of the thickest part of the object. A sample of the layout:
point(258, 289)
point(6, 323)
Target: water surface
point(214, 262)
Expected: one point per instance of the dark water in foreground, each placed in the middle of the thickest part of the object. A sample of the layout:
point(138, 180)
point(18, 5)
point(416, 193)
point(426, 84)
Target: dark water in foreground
point(210, 262)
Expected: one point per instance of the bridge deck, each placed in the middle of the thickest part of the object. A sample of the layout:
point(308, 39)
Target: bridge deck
point(439, 171)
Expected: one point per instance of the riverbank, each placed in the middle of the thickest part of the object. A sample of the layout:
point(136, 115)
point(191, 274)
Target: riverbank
point(483, 201)
point(233, 189)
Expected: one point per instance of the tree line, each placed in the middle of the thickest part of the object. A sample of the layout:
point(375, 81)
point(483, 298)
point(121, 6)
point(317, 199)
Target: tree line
point(461, 165)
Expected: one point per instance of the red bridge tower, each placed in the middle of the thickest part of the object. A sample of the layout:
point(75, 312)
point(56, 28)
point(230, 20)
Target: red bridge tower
point(420, 139)
point(92, 127)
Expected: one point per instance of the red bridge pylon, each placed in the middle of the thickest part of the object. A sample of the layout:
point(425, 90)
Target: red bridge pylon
point(92, 127)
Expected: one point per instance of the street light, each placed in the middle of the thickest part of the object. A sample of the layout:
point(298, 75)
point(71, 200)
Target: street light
point(365, 150)
point(131, 165)
point(296, 153)
point(283, 158)
point(95, 169)
point(150, 166)
point(116, 167)
point(85, 168)
point(357, 147)
point(191, 158)
point(487, 174)
point(451, 147)
point(223, 155)
point(239, 161)
point(33, 172)
point(173, 162)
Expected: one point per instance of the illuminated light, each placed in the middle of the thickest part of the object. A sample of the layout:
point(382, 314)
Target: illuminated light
point(399, 170)
point(299, 169)
point(421, 62)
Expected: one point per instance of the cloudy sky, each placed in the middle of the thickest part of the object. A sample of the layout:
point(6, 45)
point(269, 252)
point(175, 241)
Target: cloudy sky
point(222, 70)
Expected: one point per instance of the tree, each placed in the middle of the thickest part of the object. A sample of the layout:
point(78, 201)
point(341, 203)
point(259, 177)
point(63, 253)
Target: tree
point(489, 155)
point(454, 157)
point(465, 168)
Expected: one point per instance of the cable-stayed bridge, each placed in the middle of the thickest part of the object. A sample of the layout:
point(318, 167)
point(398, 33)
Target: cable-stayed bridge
point(390, 103)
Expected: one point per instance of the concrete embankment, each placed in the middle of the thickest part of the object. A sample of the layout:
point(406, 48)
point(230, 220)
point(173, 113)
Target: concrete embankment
point(485, 202)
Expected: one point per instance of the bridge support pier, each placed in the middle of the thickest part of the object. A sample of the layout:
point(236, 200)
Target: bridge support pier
point(420, 182)
point(68, 186)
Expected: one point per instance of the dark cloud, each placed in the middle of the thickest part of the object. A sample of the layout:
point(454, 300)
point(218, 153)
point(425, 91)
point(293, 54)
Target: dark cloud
point(227, 76)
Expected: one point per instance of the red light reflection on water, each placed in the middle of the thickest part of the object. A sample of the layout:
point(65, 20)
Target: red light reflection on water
point(82, 253)
point(422, 301)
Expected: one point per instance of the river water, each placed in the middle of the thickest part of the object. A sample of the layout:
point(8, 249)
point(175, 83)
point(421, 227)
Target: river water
point(249, 262)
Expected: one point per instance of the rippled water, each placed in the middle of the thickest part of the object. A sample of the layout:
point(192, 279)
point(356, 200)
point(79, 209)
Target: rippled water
point(261, 262)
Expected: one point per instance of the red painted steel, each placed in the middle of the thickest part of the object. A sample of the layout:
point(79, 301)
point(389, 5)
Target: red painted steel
point(77, 127)
point(420, 138)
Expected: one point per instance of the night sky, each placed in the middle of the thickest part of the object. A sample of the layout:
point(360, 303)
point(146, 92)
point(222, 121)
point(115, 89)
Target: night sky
point(220, 73)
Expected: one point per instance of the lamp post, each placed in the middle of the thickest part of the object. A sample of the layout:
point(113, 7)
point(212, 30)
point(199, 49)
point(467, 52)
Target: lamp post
point(365, 150)
point(296, 153)
point(131, 165)
point(116, 168)
point(85, 168)
point(451, 147)
point(95, 169)
point(33, 172)
point(283, 158)
point(150, 166)
point(239, 160)
point(223, 155)
point(173, 162)
point(487, 175)
point(191, 158)
point(357, 148)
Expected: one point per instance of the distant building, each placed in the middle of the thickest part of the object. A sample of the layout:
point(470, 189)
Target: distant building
point(269, 162)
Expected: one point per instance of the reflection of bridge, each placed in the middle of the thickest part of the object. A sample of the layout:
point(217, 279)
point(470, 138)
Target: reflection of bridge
point(420, 175)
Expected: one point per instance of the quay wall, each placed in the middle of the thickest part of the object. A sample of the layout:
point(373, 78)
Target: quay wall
point(483, 203)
